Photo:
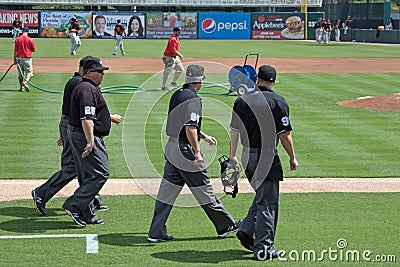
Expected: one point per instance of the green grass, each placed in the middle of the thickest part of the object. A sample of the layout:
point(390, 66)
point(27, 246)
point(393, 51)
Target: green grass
point(365, 221)
point(50, 48)
point(330, 140)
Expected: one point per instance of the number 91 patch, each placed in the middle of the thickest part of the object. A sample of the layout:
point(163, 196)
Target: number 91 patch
point(285, 121)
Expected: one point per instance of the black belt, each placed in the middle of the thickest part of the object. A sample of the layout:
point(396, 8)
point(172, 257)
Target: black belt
point(75, 129)
point(255, 149)
point(178, 140)
point(80, 130)
point(252, 149)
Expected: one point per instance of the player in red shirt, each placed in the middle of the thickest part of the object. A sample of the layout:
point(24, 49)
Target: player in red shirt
point(172, 59)
point(23, 48)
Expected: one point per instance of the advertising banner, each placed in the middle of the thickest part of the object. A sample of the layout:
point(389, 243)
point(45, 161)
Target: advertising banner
point(278, 26)
point(28, 18)
point(160, 25)
point(55, 24)
point(221, 25)
point(104, 23)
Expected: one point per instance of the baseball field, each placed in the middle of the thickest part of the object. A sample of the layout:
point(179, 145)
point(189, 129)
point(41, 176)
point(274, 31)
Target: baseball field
point(344, 105)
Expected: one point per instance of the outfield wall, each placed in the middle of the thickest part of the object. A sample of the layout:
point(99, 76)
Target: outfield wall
point(158, 25)
point(201, 25)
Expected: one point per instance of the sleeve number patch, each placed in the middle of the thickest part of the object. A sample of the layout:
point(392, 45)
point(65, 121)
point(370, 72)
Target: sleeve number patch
point(194, 117)
point(90, 110)
point(285, 121)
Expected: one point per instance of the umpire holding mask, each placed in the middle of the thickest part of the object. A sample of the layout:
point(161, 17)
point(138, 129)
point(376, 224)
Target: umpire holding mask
point(184, 162)
point(261, 119)
point(89, 122)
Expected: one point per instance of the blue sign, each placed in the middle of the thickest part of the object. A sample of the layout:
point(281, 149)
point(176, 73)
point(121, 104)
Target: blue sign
point(222, 25)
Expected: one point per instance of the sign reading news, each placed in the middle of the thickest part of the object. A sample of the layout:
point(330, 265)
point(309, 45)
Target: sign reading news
point(28, 18)
point(221, 25)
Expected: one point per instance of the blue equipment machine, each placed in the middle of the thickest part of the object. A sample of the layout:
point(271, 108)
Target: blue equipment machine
point(243, 78)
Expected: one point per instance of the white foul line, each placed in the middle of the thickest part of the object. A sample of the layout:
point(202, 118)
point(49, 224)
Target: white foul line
point(92, 241)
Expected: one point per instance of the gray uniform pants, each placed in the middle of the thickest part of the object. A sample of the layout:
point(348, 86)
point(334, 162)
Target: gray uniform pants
point(172, 183)
point(67, 173)
point(95, 170)
point(262, 217)
point(75, 41)
point(119, 44)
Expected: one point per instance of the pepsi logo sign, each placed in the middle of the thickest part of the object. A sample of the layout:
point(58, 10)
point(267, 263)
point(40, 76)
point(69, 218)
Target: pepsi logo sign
point(208, 25)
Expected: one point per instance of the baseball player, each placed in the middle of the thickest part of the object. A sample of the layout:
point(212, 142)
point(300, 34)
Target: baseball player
point(73, 35)
point(261, 118)
point(17, 26)
point(119, 33)
point(172, 59)
point(318, 30)
point(42, 194)
point(184, 161)
point(337, 30)
point(89, 122)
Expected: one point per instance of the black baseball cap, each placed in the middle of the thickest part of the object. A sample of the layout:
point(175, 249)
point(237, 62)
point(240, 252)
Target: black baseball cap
point(94, 63)
point(267, 73)
point(83, 60)
point(194, 74)
point(176, 29)
point(25, 29)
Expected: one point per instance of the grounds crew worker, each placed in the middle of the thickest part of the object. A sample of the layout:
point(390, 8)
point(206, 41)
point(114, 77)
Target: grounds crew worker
point(184, 161)
point(261, 118)
point(23, 49)
point(42, 194)
point(172, 59)
point(89, 122)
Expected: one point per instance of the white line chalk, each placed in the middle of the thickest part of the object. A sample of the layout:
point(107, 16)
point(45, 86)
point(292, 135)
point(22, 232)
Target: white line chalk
point(92, 240)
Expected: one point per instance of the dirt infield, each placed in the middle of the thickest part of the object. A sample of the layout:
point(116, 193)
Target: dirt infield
point(20, 189)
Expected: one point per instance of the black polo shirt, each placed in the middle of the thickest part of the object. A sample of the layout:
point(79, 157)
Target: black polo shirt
point(69, 87)
point(87, 102)
point(184, 110)
point(244, 119)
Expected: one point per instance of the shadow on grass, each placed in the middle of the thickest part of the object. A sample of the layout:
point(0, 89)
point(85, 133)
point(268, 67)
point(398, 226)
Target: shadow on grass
point(197, 256)
point(140, 239)
point(125, 239)
point(27, 220)
point(35, 225)
point(26, 212)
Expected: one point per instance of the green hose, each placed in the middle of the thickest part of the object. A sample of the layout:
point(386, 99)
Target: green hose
point(125, 89)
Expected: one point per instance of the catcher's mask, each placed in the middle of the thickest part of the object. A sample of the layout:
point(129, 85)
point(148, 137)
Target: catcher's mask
point(229, 175)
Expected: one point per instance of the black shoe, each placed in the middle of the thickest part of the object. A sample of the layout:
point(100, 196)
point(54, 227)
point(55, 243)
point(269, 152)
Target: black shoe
point(100, 207)
point(272, 253)
point(99, 221)
point(231, 229)
point(163, 239)
point(76, 218)
point(40, 207)
point(245, 240)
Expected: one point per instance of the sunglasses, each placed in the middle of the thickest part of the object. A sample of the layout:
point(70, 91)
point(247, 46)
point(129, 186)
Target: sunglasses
point(98, 71)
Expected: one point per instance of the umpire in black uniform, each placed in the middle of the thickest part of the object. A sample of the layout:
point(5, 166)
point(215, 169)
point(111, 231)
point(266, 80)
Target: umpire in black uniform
point(261, 119)
point(89, 122)
point(184, 161)
point(42, 194)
